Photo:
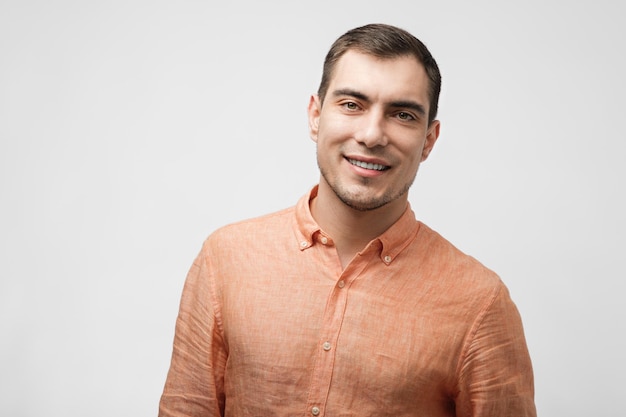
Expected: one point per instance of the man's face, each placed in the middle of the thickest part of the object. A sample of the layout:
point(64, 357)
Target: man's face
point(372, 129)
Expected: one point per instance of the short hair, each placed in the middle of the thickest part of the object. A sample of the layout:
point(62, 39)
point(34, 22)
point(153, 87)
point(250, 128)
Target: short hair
point(384, 41)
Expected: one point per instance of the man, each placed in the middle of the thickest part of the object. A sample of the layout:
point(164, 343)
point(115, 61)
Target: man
point(345, 304)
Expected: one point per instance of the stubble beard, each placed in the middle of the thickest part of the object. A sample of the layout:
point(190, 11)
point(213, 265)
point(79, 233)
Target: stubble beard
point(359, 202)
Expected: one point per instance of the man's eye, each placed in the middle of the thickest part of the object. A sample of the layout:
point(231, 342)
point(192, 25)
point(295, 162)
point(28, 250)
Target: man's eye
point(350, 105)
point(405, 116)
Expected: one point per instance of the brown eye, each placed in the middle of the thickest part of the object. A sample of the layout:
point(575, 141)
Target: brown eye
point(405, 116)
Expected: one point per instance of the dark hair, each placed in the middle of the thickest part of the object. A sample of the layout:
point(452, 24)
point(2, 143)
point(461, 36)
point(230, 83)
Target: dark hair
point(384, 41)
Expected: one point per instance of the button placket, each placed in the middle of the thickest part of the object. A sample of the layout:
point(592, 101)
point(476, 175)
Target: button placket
point(330, 330)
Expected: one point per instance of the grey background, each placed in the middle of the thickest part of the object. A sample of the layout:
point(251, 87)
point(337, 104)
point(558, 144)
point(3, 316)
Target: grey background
point(129, 130)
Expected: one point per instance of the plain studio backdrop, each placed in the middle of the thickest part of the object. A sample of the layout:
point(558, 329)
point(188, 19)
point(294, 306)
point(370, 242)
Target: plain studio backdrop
point(130, 130)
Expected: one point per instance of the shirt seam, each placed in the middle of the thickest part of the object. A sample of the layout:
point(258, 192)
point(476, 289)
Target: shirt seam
point(217, 315)
point(473, 331)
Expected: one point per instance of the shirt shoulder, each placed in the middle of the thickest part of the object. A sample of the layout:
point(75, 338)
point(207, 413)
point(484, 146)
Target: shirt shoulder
point(451, 266)
point(268, 227)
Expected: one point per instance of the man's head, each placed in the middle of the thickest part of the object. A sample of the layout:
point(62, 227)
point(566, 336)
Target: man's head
point(385, 42)
point(374, 118)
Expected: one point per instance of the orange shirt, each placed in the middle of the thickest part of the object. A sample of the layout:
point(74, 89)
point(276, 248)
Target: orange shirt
point(270, 325)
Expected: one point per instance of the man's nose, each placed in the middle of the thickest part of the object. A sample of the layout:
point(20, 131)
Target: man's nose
point(371, 131)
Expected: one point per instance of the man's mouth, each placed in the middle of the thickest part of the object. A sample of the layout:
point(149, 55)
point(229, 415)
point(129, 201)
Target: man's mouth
point(368, 165)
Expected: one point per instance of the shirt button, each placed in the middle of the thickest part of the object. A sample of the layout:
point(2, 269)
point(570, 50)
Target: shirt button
point(304, 243)
point(324, 240)
point(387, 259)
point(341, 284)
point(326, 346)
point(315, 411)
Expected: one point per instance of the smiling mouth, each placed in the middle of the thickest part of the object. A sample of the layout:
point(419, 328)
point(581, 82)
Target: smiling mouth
point(368, 165)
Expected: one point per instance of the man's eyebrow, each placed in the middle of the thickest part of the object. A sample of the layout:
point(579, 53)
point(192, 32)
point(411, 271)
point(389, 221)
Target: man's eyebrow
point(351, 93)
point(400, 104)
point(407, 104)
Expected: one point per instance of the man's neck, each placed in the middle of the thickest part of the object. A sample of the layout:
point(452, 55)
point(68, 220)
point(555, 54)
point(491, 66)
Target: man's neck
point(352, 229)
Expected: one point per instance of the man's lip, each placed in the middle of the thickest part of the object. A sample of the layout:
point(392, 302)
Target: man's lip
point(368, 160)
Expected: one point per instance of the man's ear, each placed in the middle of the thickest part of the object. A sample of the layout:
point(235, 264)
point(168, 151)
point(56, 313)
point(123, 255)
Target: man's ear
point(314, 111)
point(431, 137)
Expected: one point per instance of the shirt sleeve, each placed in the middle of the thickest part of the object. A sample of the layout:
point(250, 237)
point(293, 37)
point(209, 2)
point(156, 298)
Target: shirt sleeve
point(495, 372)
point(195, 381)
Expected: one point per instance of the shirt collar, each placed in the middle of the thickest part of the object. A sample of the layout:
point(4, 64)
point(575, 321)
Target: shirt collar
point(306, 226)
point(390, 243)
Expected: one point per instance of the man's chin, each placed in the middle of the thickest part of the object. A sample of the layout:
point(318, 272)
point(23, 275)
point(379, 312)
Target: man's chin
point(361, 204)
point(368, 200)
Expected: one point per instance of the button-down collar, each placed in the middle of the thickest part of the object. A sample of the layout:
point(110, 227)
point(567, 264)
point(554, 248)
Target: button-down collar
point(389, 244)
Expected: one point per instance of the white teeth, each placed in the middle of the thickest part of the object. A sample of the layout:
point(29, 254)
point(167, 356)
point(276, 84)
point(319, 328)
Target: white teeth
point(367, 165)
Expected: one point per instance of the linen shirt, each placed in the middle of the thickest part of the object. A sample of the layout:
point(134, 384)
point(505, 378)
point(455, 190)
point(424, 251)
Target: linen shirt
point(270, 325)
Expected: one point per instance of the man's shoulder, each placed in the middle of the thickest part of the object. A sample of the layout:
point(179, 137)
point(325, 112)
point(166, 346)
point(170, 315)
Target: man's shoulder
point(444, 255)
point(267, 225)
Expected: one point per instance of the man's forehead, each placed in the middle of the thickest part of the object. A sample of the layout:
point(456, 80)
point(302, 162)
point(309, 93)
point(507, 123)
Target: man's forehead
point(356, 56)
point(399, 76)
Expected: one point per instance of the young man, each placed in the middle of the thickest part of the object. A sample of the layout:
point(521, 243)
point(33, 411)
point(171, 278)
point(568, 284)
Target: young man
point(346, 304)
